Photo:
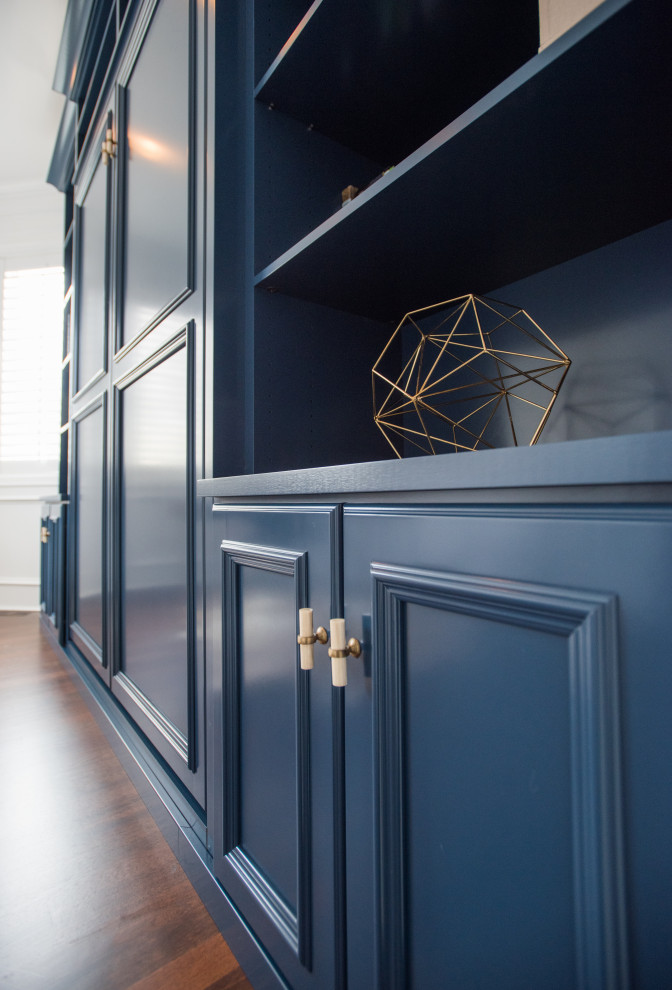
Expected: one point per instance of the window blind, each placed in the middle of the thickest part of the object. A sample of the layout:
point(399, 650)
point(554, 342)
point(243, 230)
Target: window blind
point(31, 342)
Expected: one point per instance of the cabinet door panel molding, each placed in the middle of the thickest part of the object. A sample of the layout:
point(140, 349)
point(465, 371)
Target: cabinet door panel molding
point(155, 656)
point(157, 117)
point(279, 822)
point(294, 924)
point(92, 216)
point(587, 622)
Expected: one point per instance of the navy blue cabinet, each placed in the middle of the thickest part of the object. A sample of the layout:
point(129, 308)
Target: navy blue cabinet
point(507, 831)
point(484, 804)
point(136, 412)
point(502, 741)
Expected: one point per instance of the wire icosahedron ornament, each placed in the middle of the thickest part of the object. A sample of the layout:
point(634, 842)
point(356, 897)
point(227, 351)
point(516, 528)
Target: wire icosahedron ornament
point(476, 374)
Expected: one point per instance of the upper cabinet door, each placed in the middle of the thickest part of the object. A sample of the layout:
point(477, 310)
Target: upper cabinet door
point(92, 216)
point(157, 107)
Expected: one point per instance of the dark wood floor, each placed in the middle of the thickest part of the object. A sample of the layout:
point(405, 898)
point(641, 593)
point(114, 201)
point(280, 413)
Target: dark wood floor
point(91, 895)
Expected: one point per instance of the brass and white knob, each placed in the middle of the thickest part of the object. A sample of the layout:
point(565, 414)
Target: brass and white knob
point(340, 650)
point(307, 638)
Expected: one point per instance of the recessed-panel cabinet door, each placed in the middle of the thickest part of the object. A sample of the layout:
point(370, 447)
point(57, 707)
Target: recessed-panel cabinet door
point(157, 101)
point(87, 534)
point(512, 701)
point(91, 273)
point(155, 671)
point(276, 825)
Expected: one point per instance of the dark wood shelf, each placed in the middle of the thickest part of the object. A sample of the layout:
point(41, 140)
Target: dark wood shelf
point(383, 78)
point(568, 154)
point(631, 460)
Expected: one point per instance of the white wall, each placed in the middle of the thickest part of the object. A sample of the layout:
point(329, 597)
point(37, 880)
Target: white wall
point(31, 236)
point(558, 16)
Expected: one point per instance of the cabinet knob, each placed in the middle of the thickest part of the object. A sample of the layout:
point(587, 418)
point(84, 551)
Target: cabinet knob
point(307, 638)
point(340, 650)
point(44, 536)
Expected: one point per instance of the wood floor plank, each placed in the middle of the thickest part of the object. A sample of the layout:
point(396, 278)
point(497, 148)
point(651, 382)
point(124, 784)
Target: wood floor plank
point(199, 968)
point(91, 897)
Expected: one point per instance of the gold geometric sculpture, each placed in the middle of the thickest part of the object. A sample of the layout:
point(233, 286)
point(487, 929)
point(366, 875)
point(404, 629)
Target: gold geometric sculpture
point(476, 374)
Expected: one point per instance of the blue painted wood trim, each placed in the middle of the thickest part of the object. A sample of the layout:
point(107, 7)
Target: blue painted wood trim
point(114, 601)
point(87, 646)
point(77, 39)
point(599, 512)
point(121, 159)
point(231, 771)
point(86, 179)
point(391, 877)
point(140, 700)
point(340, 839)
point(339, 768)
point(588, 620)
point(63, 156)
point(62, 575)
point(194, 758)
point(265, 894)
point(192, 149)
point(297, 928)
point(229, 398)
point(644, 458)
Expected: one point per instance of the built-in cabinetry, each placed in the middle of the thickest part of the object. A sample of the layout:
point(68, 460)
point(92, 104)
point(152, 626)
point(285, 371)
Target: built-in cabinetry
point(134, 422)
point(492, 820)
point(484, 803)
point(493, 815)
point(330, 96)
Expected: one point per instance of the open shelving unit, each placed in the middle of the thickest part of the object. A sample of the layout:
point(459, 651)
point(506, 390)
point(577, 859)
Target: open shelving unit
point(358, 87)
point(561, 158)
point(382, 80)
point(507, 163)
